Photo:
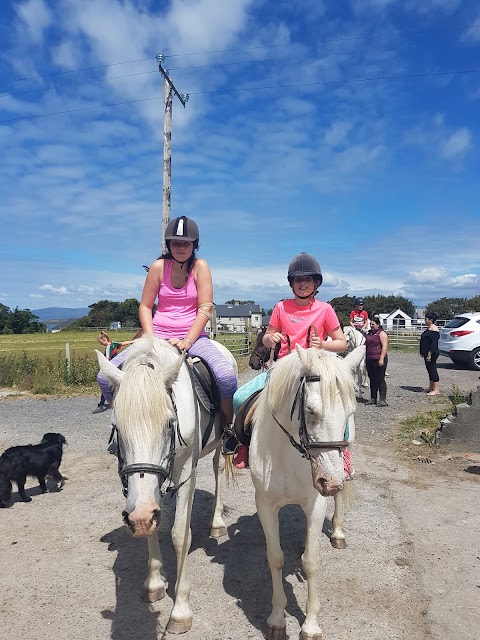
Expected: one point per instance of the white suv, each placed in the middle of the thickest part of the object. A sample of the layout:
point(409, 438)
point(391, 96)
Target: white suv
point(460, 339)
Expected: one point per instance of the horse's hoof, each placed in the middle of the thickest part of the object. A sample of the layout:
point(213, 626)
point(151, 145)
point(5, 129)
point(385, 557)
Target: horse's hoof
point(338, 543)
point(155, 595)
point(275, 633)
point(179, 626)
point(218, 532)
point(308, 636)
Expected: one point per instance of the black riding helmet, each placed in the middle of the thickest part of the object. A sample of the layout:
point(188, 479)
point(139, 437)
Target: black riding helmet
point(304, 265)
point(182, 228)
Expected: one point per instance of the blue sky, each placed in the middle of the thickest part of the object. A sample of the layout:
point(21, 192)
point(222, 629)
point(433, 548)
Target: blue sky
point(347, 129)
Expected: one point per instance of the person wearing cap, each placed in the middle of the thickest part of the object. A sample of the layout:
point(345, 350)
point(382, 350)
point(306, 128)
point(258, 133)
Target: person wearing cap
point(359, 317)
point(292, 318)
point(182, 285)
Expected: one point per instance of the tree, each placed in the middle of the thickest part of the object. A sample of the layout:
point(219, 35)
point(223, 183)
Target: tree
point(446, 308)
point(240, 302)
point(473, 304)
point(372, 304)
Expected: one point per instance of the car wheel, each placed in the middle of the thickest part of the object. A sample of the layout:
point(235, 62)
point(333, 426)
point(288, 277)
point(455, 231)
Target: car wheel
point(474, 359)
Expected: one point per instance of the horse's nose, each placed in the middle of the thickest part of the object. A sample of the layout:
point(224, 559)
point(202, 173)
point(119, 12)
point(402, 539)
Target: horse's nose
point(128, 522)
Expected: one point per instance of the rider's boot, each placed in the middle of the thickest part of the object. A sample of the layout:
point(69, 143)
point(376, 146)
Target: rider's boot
point(241, 459)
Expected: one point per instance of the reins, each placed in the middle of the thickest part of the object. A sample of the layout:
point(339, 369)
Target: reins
point(164, 473)
point(305, 443)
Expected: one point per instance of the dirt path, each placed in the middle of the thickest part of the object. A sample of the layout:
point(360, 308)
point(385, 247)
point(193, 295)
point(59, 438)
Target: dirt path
point(69, 569)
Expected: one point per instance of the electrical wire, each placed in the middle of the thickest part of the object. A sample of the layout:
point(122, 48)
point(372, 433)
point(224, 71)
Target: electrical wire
point(261, 88)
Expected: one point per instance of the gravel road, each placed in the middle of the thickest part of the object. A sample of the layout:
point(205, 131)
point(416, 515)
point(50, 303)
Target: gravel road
point(70, 570)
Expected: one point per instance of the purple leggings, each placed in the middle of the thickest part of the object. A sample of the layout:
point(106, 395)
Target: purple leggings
point(203, 348)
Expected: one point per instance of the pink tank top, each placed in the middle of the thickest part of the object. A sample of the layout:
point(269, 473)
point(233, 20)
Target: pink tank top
point(176, 308)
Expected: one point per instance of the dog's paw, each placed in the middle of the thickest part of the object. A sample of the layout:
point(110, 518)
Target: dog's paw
point(59, 485)
point(27, 499)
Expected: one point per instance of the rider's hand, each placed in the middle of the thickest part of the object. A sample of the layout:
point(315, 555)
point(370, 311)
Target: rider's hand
point(316, 342)
point(182, 345)
point(275, 338)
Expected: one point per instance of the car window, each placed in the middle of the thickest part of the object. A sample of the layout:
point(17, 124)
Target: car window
point(456, 322)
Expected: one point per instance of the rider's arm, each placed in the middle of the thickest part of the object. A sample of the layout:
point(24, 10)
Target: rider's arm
point(149, 295)
point(337, 344)
point(365, 322)
point(352, 316)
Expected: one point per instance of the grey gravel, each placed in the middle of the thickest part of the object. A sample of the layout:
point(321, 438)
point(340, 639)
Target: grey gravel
point(70, 569)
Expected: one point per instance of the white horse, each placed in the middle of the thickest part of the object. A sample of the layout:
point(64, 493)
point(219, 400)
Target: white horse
point(161, 425)
point(295, 457)
point(356, 339)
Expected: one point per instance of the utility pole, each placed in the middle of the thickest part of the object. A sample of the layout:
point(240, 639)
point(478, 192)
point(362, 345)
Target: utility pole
point(168, 91)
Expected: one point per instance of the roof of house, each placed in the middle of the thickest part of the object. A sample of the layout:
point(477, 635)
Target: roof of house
point(236, 310)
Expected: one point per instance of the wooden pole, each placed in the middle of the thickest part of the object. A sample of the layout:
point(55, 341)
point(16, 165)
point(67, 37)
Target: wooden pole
point(167, 161)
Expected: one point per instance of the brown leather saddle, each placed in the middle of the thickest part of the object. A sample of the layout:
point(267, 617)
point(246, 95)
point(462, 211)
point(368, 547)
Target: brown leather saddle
point(206, 389)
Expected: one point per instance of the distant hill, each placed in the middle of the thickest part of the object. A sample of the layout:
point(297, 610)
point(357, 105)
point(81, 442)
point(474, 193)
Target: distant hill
point(59, 314)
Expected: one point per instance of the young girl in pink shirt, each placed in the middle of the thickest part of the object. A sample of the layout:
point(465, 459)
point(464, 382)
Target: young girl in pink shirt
point(289, 325)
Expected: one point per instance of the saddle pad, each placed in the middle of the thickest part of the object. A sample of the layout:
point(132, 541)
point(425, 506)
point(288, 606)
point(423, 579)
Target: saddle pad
point(204, 383)
point(242, 423)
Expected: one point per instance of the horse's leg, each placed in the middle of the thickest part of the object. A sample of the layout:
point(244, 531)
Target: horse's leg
point(182, 616)
point(276, 625)
point(218, 529)
point(155, 585)
point(337, 539)
point(310, 562)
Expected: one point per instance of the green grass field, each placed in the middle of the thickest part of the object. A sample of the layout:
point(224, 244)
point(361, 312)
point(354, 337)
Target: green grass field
point(38, 362)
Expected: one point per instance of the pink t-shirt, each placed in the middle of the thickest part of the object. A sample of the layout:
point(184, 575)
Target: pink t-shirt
point(176, 308)
point(289, 318)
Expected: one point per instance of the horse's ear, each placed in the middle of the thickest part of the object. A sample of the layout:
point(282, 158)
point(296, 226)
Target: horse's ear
point(110, 371)
point(354, 358)
point(302, 354)
point(172, 372)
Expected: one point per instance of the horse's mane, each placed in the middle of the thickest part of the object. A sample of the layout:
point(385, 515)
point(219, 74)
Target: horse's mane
point(142, 403)
point(333, 373)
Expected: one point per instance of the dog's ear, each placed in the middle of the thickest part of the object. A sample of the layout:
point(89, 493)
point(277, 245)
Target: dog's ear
point(63, 440)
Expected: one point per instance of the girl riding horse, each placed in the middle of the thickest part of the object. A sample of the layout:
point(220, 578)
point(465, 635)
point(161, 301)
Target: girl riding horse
point(289, 326)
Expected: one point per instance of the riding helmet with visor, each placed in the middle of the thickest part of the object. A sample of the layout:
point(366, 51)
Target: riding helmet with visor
point(359, 301)
point(182, 228)
point(304, 265)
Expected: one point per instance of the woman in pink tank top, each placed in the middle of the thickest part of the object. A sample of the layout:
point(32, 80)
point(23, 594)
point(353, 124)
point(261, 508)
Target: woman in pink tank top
point(182, 284)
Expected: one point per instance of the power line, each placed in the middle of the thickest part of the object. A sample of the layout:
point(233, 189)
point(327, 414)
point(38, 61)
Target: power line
point(262, 88)
point(475, 25)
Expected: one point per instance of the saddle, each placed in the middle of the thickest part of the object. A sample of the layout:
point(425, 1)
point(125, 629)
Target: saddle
point(243, 419)
point(206, 389)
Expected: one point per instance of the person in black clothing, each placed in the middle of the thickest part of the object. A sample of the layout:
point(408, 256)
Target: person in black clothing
point(429, 352)
point(376, 358)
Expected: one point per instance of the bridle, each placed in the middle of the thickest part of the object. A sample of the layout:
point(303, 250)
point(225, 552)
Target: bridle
point(164, 473)
point(305, 443)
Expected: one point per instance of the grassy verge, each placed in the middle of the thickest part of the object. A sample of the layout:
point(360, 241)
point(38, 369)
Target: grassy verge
point(425, 425)
point(38, 362)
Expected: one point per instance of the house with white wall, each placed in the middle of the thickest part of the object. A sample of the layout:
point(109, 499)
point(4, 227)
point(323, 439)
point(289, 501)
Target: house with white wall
point(237, 318)
point(395, 320)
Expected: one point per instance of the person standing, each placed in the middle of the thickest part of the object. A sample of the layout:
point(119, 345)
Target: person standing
point(359, 317)
point(376, 345)
point(429, 352)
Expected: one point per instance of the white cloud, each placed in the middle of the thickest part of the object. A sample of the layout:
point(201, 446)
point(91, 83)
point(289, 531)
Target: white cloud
point(472, 33)
point(457, 144)
point(56, 290)
point(428, 275)
point(36, 17)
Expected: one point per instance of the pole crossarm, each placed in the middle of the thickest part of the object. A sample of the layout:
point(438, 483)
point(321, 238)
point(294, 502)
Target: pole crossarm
point(183, 97)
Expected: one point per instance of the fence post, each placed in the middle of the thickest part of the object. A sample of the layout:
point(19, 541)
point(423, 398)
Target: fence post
point(67, 355)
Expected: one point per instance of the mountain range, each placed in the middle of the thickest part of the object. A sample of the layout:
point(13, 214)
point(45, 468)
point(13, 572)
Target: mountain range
point(59, 314)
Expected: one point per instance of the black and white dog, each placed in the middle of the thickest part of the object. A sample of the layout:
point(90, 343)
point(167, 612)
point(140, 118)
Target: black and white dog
point(37, 460)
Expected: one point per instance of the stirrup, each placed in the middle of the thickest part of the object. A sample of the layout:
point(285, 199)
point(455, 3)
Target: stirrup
point(229, 441)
